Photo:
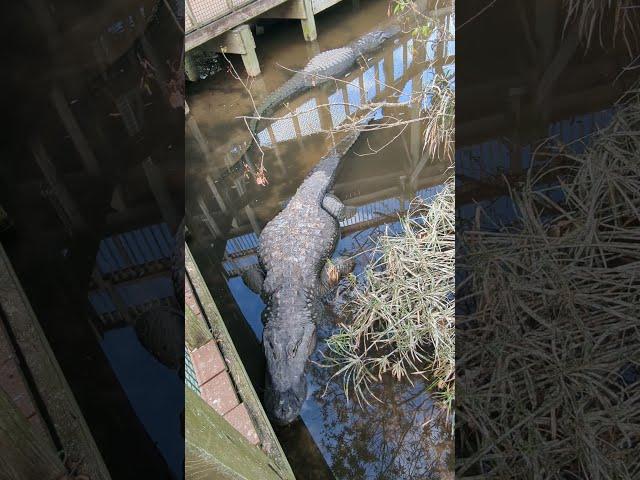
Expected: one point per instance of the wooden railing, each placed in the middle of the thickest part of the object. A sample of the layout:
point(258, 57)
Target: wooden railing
point(199, 13)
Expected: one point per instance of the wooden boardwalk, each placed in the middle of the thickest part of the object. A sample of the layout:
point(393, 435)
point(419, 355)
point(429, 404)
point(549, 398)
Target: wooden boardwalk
point(220, 397)
point(223, 26)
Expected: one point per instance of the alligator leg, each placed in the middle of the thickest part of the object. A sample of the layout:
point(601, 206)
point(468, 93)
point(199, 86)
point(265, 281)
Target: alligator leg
point(253, 278)
point(336, 208)
point(334, 270)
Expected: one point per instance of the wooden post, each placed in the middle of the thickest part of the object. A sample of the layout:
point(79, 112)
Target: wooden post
point(313, 48)
point(309, 22)
point(249, 58)
point(190, 69)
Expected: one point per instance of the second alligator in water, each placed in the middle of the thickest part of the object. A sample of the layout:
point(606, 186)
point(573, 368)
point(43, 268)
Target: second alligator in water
point(294, 275)
point(320, 69)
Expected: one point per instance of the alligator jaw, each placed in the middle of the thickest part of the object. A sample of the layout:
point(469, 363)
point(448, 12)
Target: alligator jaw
point(284, 407)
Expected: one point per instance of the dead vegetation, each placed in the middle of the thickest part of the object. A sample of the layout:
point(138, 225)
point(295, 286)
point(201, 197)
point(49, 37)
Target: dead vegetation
point(400, 309)
point(549, 352)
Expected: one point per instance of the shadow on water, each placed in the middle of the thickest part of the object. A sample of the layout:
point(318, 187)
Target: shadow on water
point(403, 436)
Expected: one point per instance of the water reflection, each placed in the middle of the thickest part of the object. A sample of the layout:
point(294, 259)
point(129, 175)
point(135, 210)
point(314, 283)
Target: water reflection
point(404, 437)
point(92, 241)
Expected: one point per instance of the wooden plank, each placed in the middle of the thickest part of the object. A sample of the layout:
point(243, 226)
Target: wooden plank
point(293, 10)
point(218, 27)
point(196, 333)
point(228, 42)
point(23, 454)
point(214, 449)
point(52, 388)
point(269, 441)
point(320, 5)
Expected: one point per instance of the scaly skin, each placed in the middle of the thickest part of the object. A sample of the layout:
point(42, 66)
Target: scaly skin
point(293, 250)
point(320, 69)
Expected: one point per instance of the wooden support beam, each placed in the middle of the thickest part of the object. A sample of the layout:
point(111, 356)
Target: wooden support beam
point(238, 41)
point(320, 5)
point(309, 22)
point(190, 71)
point(249, 57)
point(292, 10)
point(226, 23)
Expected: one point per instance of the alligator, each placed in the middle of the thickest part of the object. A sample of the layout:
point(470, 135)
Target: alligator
point(320, 69)
point(295, 272)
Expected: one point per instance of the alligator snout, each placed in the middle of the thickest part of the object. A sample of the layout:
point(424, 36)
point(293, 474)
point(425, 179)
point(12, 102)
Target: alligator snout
point(284, 407)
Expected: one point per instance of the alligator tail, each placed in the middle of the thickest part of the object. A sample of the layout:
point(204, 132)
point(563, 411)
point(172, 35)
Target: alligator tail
point(343, 146)
point(292, 86)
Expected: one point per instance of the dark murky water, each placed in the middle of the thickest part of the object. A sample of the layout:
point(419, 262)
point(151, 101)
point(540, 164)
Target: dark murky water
point(403, 437)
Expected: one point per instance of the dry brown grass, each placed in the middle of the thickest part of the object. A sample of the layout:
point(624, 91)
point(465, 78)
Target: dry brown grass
point(590, 15)
point(543, 372)
point(401, 309)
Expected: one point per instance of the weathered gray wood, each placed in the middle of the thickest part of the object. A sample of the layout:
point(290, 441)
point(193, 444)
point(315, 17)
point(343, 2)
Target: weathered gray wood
point(249, 58)
point(23, 454)
point(196, 333)
point(190, 70)
point(320, 5)
point(309, 22)
point(51, 385)
point(293, 9)
point(218, 27)
point(228, 42)
point(214, 449)
point(245, 389)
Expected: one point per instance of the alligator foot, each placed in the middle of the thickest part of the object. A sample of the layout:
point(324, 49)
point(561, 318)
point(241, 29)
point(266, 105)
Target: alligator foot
point(335, 269)
point(336, 208)
point(253, 278)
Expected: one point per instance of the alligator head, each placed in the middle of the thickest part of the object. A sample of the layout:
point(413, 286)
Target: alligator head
point(371, 41)
point(289, 338)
